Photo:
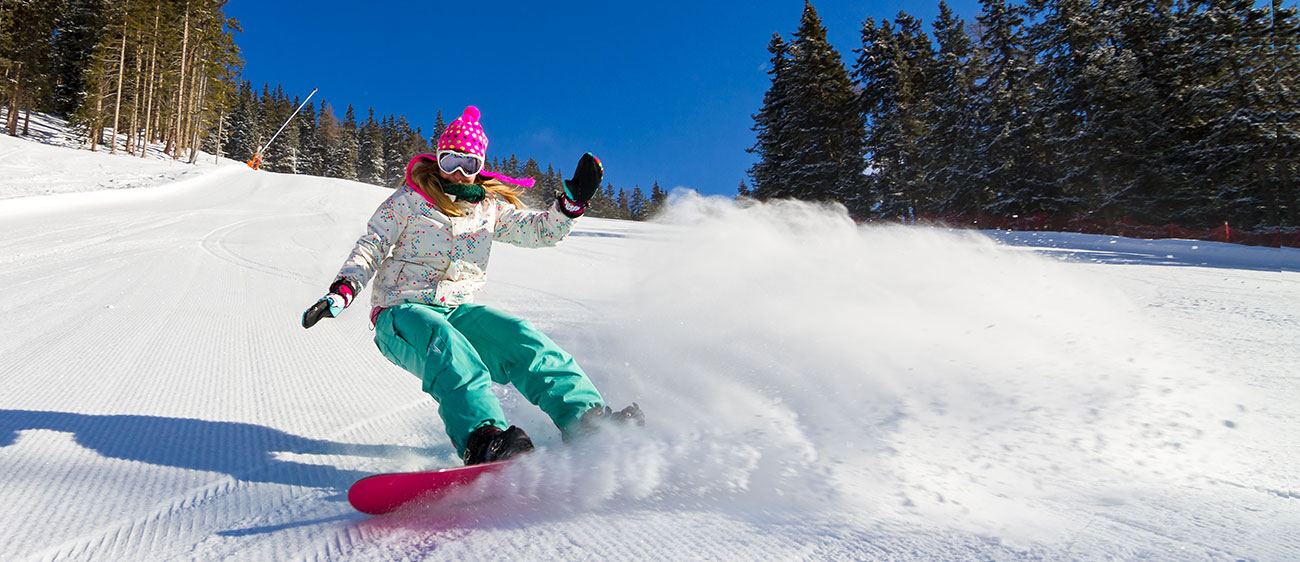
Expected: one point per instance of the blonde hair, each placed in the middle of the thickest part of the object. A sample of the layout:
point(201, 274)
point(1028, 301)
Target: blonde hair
point(425, 176)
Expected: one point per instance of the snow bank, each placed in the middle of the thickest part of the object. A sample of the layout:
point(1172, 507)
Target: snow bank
point(47, 163)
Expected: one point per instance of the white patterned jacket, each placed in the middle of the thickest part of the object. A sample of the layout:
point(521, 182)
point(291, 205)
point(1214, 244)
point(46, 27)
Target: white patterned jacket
point(418, 254)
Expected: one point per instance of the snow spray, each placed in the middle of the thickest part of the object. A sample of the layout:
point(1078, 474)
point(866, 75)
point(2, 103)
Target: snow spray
point(791, 359)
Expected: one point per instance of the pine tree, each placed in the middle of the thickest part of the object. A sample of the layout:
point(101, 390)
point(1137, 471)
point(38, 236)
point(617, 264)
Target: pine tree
point(330, 135)
point(894, 66)
point(311, 159)
point(343, 148)
point(952, 116)
point(824, 147)
point(370, 156)
point(624, 210)
point(1010, 146)
point(1128, 137)
point(438, 127)
point(1072, 42)
point(638, 205)
point(772, 129)
point(659, 198)
point(27, 31)
point(1217, 129)
point(1282, 68)
point(531, 169)
point(80, 29)
point(512, 166)
point(604, 203)
point(241, 143)
point(1238, 130)
point(395, 159)
point(282, 154)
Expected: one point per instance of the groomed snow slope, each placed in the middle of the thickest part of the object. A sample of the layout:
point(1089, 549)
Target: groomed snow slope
point(815, 390)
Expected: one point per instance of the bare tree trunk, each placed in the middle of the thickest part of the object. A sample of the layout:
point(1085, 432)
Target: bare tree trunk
point(194, 118)
point(12, 124)
point(196, 112)
point(95, 129)
point(153, 66)
point(121, 73)
point(221, 129)
point(135, 95)
point(180, 94)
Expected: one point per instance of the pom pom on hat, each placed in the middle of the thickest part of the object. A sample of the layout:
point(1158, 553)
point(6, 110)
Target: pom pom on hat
point(465, 135)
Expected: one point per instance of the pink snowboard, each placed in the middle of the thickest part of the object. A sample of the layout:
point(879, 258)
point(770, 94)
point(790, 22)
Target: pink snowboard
point(383, 493)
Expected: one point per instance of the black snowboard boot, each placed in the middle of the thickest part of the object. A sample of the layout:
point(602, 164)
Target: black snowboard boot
point(489, 443)
point(593, 419)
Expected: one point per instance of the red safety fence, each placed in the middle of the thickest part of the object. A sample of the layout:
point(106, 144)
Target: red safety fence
point(1275, 237)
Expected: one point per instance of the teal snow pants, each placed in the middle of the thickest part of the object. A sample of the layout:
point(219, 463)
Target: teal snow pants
point(458, 352)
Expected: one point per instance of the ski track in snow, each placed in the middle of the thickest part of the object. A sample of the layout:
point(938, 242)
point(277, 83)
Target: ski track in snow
point(816, 390)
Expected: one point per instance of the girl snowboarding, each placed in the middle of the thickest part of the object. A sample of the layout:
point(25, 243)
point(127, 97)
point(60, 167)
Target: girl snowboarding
point(426, 247)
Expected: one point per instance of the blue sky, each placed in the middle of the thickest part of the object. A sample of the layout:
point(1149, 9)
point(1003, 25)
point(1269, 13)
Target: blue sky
point(660, 91)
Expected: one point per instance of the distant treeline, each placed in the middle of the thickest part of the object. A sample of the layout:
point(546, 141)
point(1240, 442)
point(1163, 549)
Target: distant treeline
point(1184, 111)
point(165, 73)
point(376, 150)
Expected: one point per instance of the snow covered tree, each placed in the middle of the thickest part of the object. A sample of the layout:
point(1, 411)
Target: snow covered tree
point(329, 134)
point(1237, 132)
point(394, 159)
point(1281, 176)
point(242, 139)
point(370, 155)
point(772, 129)
point(80, 29)
point(950, 173)
point(624, 206)
point(894, 67)
point(1073, 44)
point(1215, 126)
point(604, 204)
point(1010, 148)
point(1126, 139)
point(282, 154)
point(341, 146)
point(638, 205)
point(823, 144)
point(311, 159)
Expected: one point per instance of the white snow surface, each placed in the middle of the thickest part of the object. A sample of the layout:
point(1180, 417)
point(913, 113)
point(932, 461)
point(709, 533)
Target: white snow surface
point(815, 389)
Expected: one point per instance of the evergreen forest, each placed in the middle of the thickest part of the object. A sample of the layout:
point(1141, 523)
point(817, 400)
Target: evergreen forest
point(165, 75)
point(1157, 111)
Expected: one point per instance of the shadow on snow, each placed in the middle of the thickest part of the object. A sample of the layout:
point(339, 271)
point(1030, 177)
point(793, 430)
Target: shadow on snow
point(244, 451)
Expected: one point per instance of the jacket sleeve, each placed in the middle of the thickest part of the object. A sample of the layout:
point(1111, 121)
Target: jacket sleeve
point(530, 229)
point(381, 232)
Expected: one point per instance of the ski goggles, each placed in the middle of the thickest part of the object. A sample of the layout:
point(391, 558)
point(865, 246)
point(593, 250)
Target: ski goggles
point(468, 164)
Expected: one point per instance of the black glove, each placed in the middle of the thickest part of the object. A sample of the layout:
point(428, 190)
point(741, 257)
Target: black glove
point(579, 190)
point(330, 305)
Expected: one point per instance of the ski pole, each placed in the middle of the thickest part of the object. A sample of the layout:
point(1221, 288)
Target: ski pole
point(256, 162)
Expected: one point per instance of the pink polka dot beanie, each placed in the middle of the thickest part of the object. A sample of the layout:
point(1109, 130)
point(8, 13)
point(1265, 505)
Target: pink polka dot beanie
point(465, 135)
